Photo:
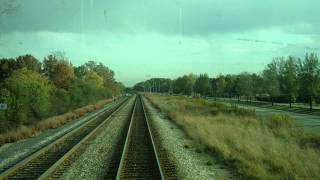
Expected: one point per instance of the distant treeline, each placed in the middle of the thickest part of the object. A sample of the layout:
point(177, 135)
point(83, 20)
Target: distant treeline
point(34, 90)
point(287, 80)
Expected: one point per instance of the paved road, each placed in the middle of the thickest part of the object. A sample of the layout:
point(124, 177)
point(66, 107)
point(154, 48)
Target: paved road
point(308, 122)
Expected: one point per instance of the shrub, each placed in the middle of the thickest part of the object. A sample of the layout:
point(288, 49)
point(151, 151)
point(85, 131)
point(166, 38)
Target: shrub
point(278, 121)
point(60, 101)
point(32, 93)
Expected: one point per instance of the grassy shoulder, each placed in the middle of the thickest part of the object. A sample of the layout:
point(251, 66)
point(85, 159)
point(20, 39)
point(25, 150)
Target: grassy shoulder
point(256, 149)
point(24, 132)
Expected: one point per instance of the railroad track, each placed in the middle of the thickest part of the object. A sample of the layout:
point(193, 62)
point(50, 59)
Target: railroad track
point(51, 161)
point(138, 153)
point(141, 157)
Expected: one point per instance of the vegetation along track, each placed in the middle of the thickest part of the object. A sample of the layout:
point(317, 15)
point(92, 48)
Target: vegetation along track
point(140, 158)
point(50, 161)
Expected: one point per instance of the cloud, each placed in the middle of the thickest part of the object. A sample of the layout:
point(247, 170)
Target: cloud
point(178, 17)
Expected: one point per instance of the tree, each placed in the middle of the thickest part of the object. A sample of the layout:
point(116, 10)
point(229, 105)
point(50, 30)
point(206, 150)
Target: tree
point(191, 79)
point(230, 85)
point(271, 81)
point(257, 84)
point(184, 85)
point(7, 66)
point(94, 79)
point(140, 87)
point(77, 91)
point(7, 116)
point(60, 101)
point(101, 70)
point(309, 73)
point(202, 85)
point(29, 62)
point(59, 71)
point(160, 85)
point(214, 87)
point(288, 72)
point(221, 86)
point(32, 93)
point(243, 85)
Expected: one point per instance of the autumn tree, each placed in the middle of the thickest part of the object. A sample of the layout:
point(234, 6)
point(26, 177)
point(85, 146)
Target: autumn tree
point(309, 77)
point(103, 71)
point(34, 90)
point(288, 73)
point(29, 62)
point(59, 71)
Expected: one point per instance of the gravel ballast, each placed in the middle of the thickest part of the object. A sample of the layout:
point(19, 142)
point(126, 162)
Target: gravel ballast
point(13, 152)
point(189, 157)
point(94, 162)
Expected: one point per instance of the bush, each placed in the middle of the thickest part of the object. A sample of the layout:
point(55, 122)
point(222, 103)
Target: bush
point(6, 116)
point(278, 121)
point(60, 101)
point(32, 92)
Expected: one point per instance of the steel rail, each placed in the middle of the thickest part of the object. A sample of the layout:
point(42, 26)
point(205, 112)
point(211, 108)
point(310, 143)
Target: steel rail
point(167, 167)
point(115, 156)
point(130, 142)
point(152, 140)
point(57, 169)
point(126, 144)
point(44, 152)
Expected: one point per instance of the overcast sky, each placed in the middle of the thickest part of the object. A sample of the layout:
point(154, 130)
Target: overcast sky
point(163, 38)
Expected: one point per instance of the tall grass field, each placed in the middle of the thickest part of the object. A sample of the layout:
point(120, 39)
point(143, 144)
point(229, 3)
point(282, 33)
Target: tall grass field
point(254, 148)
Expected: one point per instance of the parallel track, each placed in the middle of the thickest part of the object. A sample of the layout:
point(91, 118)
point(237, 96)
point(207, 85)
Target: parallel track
point(138, 153)
point(38, 163)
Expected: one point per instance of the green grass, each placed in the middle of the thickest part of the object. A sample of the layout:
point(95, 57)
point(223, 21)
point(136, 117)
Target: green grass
point(256, 149)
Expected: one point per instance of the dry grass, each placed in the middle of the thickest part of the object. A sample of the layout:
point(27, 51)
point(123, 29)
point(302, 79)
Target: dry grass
point(256, 149)
point(50, 123)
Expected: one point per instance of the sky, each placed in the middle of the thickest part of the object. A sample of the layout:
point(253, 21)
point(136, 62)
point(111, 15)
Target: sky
point(163, 38)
